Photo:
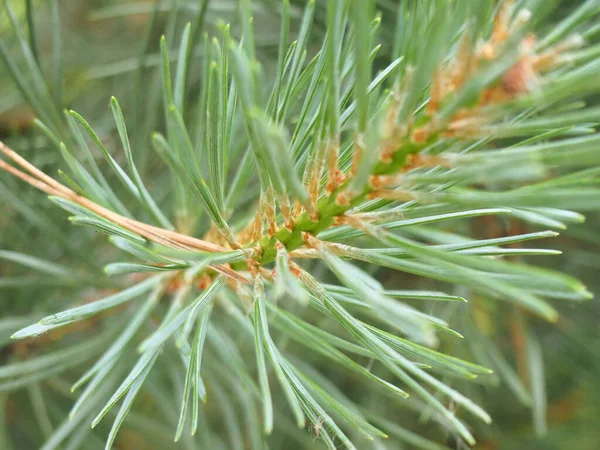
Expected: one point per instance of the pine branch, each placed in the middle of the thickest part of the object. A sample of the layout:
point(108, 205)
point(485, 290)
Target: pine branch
point(302, 178)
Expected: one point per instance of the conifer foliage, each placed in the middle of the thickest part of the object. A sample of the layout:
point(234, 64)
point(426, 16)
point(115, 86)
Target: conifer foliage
point(273, 241)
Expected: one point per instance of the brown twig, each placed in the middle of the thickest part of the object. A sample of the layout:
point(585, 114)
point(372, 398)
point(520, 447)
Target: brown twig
point(47, 184)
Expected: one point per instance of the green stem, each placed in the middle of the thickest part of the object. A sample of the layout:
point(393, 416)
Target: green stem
point(329, 209)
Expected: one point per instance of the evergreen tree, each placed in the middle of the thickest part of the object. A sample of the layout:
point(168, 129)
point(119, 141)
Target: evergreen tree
point(301, 225)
